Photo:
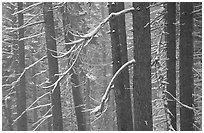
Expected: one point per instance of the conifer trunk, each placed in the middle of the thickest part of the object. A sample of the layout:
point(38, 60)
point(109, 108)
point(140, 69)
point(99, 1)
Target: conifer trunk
point(142, 68)
point(21, 87)
point(171, 62)
point(53, 66)
point(186, 65)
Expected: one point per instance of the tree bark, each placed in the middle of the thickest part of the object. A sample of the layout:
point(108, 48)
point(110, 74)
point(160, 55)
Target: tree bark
point(53, 66)
point(142, 69)
point(21, 87)
point(171, 62)
point(186, 65)
point(81, 121)
point(119, 89)
point(125, 73)
point(108, 122)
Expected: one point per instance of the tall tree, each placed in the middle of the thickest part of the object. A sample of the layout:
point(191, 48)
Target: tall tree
point(124, 58)
point(8, 113)
point(121, 99)
point(171, 55)
point(21, 87)
point(81, 121)
point(53, 66)
point(142, 69)
point(108, 122)
point(186, 65)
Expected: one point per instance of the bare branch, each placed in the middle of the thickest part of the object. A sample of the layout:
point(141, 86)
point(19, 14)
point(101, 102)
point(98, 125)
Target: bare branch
point(29, 37)
point(31, 24)
point(95, 31)
point(99, 109)
point(27, 8)
point(45, 105)
point(186, 106)
point(27, 109)
point(13, 84)
point(44, 118)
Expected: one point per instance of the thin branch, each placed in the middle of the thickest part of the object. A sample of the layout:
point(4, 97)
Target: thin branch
point(29, 37)
point(31, 24)
point(41, 72)
point(99, 109)
point(95, 31)
point(197, 72)
point(45, 105)
point(65, 73)
point(45, 118)
point(13, 84)
point(186, 106)
point(27, 8)
point(27, 109)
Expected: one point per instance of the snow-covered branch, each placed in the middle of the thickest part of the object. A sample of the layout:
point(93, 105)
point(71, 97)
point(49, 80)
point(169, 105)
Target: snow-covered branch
point(99, 109)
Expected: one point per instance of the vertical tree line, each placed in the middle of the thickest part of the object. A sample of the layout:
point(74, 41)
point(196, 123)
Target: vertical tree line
point(171, 62)
point(53, 66)
point(81, 121)
point(119, 56)
point(142, 68)
point(69, 41)
point(186, 65)
point(21, 88)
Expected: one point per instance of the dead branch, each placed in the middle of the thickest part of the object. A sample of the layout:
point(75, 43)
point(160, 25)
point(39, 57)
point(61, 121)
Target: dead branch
point(13, 84)
point(95, 31)
point(29, 37)
point(99, 109)
point(27, 109)
point(28, 8)
point(44, 117)
point(183, 105)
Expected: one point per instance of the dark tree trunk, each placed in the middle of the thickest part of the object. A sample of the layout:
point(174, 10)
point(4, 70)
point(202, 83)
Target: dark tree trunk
point(142, 69)
point(171, 62)
point(53, 66)
point(124, 58)
point(8, 112)
point(81, 121)
point(186, 64)
point(120, 92)
point(108, 122)
point(34, 79)
point(21, 88)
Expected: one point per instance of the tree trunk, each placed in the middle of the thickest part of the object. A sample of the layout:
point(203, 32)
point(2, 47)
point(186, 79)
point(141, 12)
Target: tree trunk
point(142, 69)
point(108, 122)
point(53, 66)
point(34, 79)
point(171, 62)
point(81, 121)
point(124, 59)
point(21, 88)
point(8, 112)
point(186, 64)
point(121, 99)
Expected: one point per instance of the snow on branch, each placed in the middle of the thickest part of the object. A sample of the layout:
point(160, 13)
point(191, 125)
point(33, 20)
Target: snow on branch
point(95, 31)
point(30, 106)
point(100, 108)
point(30, 24)
point(41, 120)
point(13, 84)
point(28, 8)
point(183, 105)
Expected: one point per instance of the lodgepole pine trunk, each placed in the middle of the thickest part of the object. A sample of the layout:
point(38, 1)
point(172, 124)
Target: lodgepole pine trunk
point(53, 66)
point(171, 62)
point(142, 69)
point(21, 87)
point(186, 65)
